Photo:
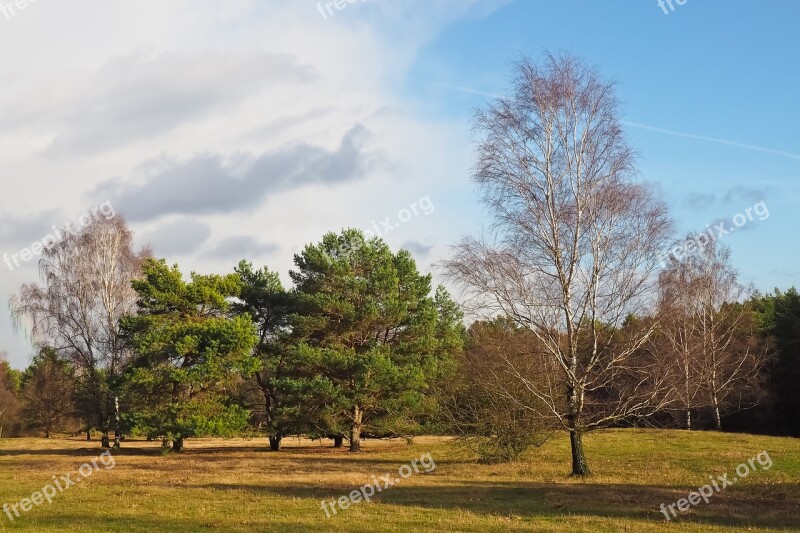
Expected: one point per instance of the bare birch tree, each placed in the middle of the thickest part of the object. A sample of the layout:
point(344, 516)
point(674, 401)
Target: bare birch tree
point(85, 290)
point(575, 241)
point(714, 335)
point(677, 342)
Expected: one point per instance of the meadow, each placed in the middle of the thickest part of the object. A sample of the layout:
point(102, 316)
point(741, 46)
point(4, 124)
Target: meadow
point(237, 485)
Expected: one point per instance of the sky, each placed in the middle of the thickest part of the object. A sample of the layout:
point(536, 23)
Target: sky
point(249, 128)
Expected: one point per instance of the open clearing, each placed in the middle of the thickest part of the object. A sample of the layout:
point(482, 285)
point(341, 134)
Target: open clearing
point(236, 485)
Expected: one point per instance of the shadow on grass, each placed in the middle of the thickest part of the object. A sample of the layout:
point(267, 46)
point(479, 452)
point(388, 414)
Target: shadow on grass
point(68, 452)
point(151, 448)
point(82, 522)
point(92, 451)
point(327, 459)
point(751, 506)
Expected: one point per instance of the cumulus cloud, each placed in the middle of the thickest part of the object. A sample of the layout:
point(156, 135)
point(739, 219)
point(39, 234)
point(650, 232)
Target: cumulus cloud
point(138, 95)
point(211, 183)
point(417, 248)
point(701, 201)
point(745, 194)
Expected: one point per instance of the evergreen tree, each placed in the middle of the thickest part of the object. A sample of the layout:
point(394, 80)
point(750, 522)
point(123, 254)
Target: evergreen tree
point(368, 333)
point(190, 351)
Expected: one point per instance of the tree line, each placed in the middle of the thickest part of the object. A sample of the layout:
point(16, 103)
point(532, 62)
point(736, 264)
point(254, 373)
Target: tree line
point(354, 348)
point(574, 323)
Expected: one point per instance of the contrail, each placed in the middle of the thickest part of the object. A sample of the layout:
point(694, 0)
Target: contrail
point(640, 126)
point(712, 139)
point(458, 88)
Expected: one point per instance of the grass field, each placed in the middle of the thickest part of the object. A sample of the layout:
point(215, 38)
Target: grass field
point(235, 485)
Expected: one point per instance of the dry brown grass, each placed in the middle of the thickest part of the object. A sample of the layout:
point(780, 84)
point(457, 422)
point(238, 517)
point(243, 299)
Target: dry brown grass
point(236, 485)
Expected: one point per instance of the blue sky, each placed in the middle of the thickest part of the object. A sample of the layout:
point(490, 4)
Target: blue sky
point(723, 70)
point(248, 128)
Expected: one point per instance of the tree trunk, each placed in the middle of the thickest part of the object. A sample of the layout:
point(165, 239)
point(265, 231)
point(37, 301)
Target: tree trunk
point(579, 465)
point(338, 441)
point(106, 440)
point(715, 398)
point(688, 396)
point(275, 442)
point(575, 402)
point(177, 445)
point(88, 434)
point(116, 423)
point(355, 430)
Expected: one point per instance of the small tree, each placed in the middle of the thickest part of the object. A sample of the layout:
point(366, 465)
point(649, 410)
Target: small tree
point(48, 386)
point(491, 408)
point(190, 350)
point(367, 326)
point(9, 402)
